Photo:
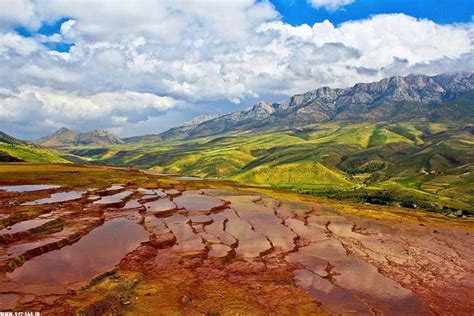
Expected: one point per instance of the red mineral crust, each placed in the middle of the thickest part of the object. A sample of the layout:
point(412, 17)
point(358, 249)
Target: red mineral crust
point(194, 248)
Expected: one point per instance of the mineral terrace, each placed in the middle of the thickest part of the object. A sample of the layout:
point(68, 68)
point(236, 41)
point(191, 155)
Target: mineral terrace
point(95, 240)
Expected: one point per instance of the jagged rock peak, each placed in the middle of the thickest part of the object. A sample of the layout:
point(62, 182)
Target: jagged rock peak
point(200, 119)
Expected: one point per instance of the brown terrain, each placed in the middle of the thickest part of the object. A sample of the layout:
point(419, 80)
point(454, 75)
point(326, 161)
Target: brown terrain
point(93, 240)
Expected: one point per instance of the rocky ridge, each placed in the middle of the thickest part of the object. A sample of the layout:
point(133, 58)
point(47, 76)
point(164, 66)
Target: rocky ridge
point(391, 99)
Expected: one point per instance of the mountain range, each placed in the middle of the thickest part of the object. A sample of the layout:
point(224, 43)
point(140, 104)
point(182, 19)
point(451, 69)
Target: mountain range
point(391, 99)
point(445, 96)
point(403, 140)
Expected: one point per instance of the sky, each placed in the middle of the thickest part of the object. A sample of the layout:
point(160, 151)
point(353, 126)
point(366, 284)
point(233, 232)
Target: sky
point(141, 67)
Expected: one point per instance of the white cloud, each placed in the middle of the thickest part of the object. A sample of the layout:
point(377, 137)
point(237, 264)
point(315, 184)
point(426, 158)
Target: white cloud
point(330, 5)
point(50, 107)
point(339, 55)
point(53, 73)
point(204, 52)
point(381, 38)
point(163, 20)
point(18, 12)
point(11, 43)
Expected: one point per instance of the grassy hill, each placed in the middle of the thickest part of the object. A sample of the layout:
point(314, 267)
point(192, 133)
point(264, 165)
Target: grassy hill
point(29, 153)
point(410, 163)
point(15, 150)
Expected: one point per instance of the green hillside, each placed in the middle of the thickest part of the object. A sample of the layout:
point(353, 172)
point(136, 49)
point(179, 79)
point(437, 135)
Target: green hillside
point(15, 150)
point(412, 163)
point(29, 153)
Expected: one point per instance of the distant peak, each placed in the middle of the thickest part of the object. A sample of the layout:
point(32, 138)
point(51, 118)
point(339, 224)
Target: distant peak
point(68, 137)
point(63, 130)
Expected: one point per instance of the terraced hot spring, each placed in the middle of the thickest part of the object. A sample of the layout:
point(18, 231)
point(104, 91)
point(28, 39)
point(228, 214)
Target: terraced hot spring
point(28, 187)
point(57, 198)
point(210, 248)
point(116, 198)
point(97, 252)
point(194, 202)
point(23, 226)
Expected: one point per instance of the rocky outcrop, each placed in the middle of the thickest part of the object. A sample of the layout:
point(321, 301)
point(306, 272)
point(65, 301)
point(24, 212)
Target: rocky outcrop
point(200, 119)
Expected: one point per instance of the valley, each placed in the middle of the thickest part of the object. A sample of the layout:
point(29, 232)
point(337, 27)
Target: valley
point(334, 202)
point(411, 163)
point(402, 141)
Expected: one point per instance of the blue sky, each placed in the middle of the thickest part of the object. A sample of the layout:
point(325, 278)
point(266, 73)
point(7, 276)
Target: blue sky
point(296, 12)
point(48, 29)
point(143, 66)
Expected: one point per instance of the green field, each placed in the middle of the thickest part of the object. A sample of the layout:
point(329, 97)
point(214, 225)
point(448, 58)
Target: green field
point(413, 164)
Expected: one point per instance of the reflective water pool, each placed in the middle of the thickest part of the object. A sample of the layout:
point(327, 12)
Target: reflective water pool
point(22, 226)
point(97, 252)
point(57, 198)
point(28, 187)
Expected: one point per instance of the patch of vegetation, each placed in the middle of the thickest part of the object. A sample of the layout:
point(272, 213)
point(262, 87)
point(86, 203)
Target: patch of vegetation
point(29, 153)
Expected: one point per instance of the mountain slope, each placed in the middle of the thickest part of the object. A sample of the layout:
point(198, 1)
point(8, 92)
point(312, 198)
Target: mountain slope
point(401, 141)
point(413, 162)
point(62, 137)
point(65, 137)
point(7, 139)
point(391, 99)
point(15, 150)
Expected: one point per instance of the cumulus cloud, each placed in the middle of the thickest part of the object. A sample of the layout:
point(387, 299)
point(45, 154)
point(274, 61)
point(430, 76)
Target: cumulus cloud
point(18, 12)
point(54, 74)
point(213, 52)
point(55, 108)
point(330, 5)
point(373, 44)
point(163, 20)
point(11, 43)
